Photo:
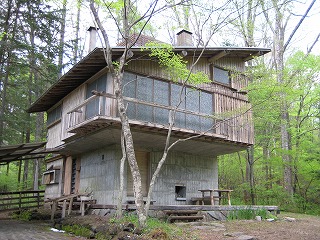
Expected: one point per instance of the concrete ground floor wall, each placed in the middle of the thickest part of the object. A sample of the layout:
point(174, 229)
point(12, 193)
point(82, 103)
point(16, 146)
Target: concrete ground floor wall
point(53, 189)
point(185, 172)
point(179, 180)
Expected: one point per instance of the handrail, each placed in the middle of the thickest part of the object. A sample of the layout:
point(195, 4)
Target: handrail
point(83, 104)
point(134, 100)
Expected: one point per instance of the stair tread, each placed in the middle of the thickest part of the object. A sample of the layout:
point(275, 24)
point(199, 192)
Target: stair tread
point(185, 218)
point(180, 212)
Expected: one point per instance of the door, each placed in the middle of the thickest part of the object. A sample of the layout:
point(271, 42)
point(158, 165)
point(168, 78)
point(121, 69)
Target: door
point(143, 163)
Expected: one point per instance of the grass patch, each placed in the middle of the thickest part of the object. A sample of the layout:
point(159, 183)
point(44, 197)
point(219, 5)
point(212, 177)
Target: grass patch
point(24, 215)
point(154, 229)
point(78, 230)
point(248, 214)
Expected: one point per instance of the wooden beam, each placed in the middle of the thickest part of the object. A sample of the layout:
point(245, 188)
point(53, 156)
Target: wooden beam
point(218, 56)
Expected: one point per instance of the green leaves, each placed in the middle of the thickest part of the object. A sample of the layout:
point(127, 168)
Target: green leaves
point(174, 64)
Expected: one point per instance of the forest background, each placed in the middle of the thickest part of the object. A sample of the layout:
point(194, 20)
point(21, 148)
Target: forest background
point(41, 40)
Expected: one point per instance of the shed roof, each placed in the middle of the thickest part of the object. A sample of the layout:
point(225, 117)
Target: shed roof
point(95, 61)
point(11, 153)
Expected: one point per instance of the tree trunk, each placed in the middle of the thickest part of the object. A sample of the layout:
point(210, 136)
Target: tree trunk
point(137, 185)
point(249, 173)
point(284, 117)
point(77, 29)
point(62, 33)
point(121, 187)
point(36, 162)
point(4, 80)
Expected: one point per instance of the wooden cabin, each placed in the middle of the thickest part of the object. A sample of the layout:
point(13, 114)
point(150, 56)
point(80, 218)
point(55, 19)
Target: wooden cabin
point(85, 128)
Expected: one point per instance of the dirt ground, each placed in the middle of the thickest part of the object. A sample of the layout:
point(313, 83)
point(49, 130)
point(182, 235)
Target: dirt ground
point(300, 227)
point(304, 227)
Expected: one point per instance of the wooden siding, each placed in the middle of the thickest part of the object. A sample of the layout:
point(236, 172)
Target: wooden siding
point(236, 119)
point(54, 135)
point(73, 99)
point(228, 102)
point(236, 66)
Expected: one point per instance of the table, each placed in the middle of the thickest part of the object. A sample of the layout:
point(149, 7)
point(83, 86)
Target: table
point(227, 191)
point(219, 191)
point(210, 191)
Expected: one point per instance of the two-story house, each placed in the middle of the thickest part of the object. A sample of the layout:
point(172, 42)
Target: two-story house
point(85, 129)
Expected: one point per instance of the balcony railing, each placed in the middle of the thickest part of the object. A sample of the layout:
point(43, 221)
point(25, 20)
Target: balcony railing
point(103, 104)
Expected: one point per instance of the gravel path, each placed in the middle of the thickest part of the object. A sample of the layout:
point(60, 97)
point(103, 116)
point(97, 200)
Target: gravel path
point(21, 230)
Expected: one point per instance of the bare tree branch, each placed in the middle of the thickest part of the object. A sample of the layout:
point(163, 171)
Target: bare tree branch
point(313, 44)
point(298, 25)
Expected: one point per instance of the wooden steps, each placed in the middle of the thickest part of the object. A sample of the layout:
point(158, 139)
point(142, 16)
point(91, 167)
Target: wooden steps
point(183, 215)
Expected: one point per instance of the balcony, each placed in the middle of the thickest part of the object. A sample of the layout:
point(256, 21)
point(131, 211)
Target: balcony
point(97, 118)
point(99, 111)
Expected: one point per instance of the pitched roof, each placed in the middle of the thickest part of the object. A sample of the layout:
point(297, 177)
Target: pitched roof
point(137, 40)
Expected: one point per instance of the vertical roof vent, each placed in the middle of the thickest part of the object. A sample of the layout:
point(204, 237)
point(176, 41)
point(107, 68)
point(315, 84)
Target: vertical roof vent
point(93, 37)
point(184, 38)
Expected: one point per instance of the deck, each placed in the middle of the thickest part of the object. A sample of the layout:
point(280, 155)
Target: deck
point(189, 207)
point(214, 212)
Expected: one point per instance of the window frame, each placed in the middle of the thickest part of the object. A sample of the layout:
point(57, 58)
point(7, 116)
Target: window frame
point(57, 112)
point(213, 66)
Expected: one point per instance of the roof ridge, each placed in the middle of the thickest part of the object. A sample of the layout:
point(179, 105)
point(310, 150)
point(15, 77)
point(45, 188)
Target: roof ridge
point(138, 40)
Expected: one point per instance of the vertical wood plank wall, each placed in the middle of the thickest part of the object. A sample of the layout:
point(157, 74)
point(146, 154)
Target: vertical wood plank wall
point(54, 135)
point(72, 100)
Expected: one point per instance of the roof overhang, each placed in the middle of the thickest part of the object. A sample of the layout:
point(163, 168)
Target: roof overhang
point(95, 62)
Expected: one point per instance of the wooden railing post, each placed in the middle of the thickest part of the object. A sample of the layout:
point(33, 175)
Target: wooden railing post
point(100, 105)
point(38, 198)
point(20, 201)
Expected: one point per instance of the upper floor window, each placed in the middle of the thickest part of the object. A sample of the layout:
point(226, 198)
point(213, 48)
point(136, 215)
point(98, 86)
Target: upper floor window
point(100, 85)
point(54, 115)
point(163, 93)
point(221, 75)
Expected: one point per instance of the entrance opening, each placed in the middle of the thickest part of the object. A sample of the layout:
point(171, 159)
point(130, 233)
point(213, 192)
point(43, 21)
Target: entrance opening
point(181, 193)
point(73, 175)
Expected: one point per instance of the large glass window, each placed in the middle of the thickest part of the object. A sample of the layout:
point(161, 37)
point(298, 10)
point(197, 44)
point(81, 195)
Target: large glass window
point(54, 115)
point(92, 108)
point(178, 99)
point(167, 94)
